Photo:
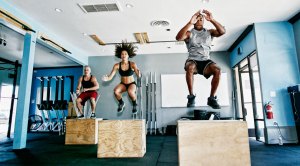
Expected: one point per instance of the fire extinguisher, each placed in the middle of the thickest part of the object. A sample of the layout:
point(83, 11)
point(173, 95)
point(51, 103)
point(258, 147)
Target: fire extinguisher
point(269, 112)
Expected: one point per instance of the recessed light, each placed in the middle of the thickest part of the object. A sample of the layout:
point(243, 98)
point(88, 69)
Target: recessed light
point(168, 29)
point(84, 34)
point(58, 10)
point(129, 5)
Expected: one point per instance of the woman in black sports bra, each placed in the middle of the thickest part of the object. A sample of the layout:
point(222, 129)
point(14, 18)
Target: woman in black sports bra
point(126, 68)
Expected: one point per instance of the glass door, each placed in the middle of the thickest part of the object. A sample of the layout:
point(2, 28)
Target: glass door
point(7, 127)
point(248, 100)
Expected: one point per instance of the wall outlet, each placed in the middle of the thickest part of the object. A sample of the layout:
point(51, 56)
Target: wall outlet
point(272, 93)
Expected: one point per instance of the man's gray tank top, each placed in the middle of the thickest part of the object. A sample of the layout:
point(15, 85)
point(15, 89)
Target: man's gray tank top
point(199, 44)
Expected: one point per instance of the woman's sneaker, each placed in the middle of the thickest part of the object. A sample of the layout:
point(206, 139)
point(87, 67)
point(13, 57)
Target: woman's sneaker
point(134, 110)
point(93, 116)
point(121, 107)
point(80, 116)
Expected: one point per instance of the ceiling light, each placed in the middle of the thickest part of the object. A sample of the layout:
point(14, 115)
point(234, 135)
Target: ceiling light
point(168, 29)
point(97, 40)
point(129, 5)
point(58, 10)
point(204, 1)
point(142, 37)
point(84, 34)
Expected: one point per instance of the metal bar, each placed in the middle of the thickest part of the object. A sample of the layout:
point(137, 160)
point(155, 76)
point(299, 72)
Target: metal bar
point(141, 103)
point(63, 49)
point(12, 100)
point(242, 94)
point(154, 101)
point(72, 84)
point(253, 96)
point(7, 61)
point(25, 27)
point(4, 68)
point(150, 96)
point(147, 104)
point(164, 41)
point(259, 119)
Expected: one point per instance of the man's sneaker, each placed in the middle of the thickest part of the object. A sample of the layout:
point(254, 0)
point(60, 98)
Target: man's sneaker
point(213, 102)
point(80, 116)
point(191, 100)
point(134, 110)
point(121, 107)
point(93, 116)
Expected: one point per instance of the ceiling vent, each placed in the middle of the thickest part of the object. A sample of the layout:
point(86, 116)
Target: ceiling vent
point(160, 23)
point(92, 8)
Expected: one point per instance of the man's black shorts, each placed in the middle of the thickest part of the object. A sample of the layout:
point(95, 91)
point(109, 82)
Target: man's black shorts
point(201, 66)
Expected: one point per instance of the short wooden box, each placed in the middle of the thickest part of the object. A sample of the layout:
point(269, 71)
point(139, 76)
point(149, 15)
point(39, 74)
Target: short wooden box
point(223, 142)
point(121, 138)
point(82, 131)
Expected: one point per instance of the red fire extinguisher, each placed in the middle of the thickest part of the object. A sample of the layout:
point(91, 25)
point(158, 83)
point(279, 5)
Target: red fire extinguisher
point(269, 112)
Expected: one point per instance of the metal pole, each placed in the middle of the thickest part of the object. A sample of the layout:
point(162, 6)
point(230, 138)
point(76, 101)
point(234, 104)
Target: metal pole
point(151, 119)
point(257, 132)
point(155, 113)
point(12, 99)
point(147, 104)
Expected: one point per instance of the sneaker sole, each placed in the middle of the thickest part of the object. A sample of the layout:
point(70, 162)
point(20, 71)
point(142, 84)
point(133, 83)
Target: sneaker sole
point(214, 107)
point(135, 112)
point(190, 105)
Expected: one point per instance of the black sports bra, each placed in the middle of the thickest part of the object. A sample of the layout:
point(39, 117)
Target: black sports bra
point(126, 73)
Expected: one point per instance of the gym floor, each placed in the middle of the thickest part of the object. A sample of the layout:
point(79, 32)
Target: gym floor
point(49, 149)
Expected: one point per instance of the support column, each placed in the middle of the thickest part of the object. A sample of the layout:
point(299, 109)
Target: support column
point(21, 122)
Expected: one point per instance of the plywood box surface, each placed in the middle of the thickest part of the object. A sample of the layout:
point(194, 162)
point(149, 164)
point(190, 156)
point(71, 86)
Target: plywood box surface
point(208, 143)
point(121, 138)
point(82, 131)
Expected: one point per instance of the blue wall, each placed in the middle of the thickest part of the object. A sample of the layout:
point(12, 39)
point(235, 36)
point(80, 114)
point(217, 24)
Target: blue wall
point(297, 39)
point(161, 64)
point(72, 71)
point(278, 67)
point(248, 45)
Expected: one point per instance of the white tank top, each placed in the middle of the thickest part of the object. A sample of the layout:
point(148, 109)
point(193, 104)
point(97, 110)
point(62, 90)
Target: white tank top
point(199, 44)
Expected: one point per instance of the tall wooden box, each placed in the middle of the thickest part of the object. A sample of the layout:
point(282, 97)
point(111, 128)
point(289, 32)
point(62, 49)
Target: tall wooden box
point(82, 131)
point(206, 143)
point(121, 138)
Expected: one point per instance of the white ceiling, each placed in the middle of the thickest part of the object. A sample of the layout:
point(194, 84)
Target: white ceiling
point(113, 27)
point(14, 51)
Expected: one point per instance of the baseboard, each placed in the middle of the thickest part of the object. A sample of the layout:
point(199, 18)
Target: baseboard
point(272, 133)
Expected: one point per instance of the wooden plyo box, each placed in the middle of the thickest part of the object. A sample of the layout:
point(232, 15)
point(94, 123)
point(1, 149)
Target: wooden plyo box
point(203, 142)
point(71, 110)
point(82, 131)
point(121, 138)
